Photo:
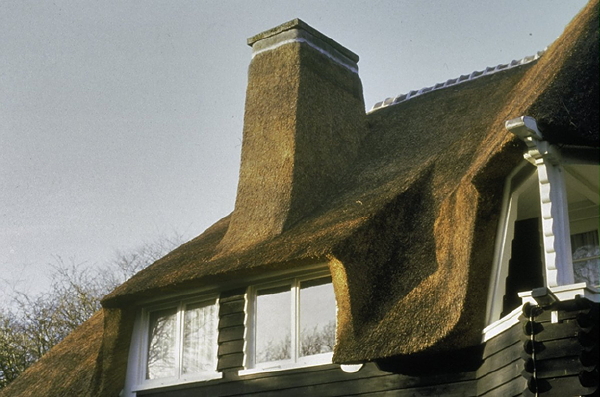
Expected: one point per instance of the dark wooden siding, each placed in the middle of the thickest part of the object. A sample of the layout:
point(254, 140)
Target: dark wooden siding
point(561, 357)
point(324, 380)
point(567, 356)
point(502, 365)
point(329, 381)
point(525, 268)
point(554, 359)
point(231, 330)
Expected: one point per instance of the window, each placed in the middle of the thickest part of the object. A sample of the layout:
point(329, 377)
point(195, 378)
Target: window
point(292, 323)
point(520, 252)
point(582, 194)
point(177, 343)
point(586, 257)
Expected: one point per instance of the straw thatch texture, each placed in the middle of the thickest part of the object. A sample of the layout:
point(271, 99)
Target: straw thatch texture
point(110, 371)
point(414, 272)
point(303, 122)
point(65, 371)
point(415, 222)
point(566, 109)
point(409, 229)
point(383, 228)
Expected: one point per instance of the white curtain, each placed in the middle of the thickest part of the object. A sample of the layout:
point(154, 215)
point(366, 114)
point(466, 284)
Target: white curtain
point(199, 338)
point(586, 257)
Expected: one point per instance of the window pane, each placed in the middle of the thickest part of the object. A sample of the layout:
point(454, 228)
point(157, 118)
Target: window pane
point(273, 330)
point(162, 344)
point(586, 261)
point(199, 338)
point(317, 317)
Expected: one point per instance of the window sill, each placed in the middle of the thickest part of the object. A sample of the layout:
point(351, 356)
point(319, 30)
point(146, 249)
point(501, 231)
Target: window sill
point(175, 383)
point(321, 359)
point(567, 292)
point(563, 293)
point(499, 326)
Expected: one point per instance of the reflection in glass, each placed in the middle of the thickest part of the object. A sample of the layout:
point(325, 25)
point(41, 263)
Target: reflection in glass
point(162, 344)
point(586, 257)
point(199, 338)
point(317, 317)
point(273, 329)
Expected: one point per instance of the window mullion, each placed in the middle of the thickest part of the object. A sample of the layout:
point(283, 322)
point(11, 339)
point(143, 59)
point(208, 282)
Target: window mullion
point(179, 340)
point(294, 318)
point(253, 323)
point(145, 341)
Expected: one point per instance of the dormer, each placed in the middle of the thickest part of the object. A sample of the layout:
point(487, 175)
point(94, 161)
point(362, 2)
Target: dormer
point(548, 234)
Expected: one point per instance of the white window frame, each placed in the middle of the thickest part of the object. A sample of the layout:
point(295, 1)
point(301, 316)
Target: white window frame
point(295, 361)
point(516, 183)
point(138, 353)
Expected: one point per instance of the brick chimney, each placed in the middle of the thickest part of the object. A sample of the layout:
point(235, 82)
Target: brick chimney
point(303, 122)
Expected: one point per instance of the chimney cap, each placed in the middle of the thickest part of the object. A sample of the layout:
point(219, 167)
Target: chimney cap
point(298, 24)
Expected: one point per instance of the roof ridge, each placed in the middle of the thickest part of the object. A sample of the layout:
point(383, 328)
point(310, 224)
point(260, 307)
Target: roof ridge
point(458, 80)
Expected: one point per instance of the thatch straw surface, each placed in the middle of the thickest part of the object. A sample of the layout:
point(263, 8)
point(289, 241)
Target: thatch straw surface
point(303, 122)
point(67, 370)
point(409, 232)
point(414, 224)
point(567, 108)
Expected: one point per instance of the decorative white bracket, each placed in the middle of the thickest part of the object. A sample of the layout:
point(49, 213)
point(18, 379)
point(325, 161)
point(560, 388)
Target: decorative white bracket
point(553, 200)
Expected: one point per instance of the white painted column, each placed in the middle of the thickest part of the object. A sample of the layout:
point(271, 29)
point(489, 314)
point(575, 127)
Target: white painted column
point(553, 200)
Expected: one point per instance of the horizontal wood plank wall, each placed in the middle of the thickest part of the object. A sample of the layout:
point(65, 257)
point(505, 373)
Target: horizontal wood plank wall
point(565, 362)
point(502, 366)
point(232, 314)
point(330, 381)
point(502, 371)
point(321, 381)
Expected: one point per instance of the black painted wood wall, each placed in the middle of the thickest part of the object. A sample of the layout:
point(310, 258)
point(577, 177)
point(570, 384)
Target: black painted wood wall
point(503, 368)
point(561, 353)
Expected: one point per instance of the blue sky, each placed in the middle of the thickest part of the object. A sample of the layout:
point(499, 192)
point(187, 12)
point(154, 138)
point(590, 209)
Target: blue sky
point(121, 121)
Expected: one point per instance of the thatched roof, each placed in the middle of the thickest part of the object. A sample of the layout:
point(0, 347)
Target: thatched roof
point(413, 222)
point(67, 370)
point(408, 232)
point(303, 122)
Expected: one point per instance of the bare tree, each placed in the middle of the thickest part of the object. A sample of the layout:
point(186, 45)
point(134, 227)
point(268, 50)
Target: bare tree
point(314, 340)
point(15, 351)
point(126, 263)
point(34, 324)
